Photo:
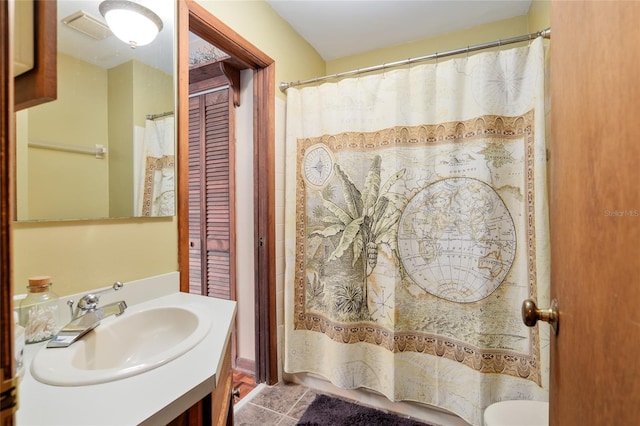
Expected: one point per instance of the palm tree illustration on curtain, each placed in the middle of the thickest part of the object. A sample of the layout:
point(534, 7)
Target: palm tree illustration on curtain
point(366, 224)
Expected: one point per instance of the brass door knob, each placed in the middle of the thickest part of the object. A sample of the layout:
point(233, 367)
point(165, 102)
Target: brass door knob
point(531, 314)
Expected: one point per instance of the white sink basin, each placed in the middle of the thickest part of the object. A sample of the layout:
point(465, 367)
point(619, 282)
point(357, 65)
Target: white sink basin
point(122, 346)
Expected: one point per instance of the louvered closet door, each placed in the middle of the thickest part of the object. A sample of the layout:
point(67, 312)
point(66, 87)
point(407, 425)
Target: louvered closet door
point(210, 204)
point(196, 150)
point(217, 193)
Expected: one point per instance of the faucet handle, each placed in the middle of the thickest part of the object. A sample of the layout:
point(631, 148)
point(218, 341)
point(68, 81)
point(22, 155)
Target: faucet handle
point(89, 302)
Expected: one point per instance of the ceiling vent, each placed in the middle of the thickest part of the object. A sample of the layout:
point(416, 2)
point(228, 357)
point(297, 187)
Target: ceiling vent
point(88, 25)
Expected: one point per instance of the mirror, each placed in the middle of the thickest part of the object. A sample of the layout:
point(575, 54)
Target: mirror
point(105, 147)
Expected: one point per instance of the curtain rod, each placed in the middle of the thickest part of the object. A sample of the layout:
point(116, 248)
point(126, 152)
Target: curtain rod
point(546, 33)
point(154, 116)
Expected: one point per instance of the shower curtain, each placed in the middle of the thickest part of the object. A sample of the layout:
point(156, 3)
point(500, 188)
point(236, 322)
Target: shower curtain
point(154, 168)
point(416, 225)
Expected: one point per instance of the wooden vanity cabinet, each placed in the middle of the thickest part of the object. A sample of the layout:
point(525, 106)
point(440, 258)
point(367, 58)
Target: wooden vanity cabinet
point(222, 397)
point(217, 407)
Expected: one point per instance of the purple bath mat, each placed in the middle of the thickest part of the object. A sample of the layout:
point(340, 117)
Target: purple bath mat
point(329, 411)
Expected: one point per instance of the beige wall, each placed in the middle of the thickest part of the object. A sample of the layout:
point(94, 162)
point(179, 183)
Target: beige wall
point(135, 90)
point(539, 15)
point(153, 92)
point(480, 34)
point(537, 19)
point(78, 118)
point(22, 163)
point(83, 255)
point(120, 105)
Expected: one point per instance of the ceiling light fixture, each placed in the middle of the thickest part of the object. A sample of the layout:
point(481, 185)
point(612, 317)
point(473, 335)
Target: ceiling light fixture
point(131, 22)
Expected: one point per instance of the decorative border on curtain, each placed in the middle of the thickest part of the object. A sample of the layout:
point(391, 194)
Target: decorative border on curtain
point(154, 165)
point(523, 365)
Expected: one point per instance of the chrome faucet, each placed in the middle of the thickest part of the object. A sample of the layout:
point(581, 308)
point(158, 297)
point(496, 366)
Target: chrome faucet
point(86, 317)
point(89, 302)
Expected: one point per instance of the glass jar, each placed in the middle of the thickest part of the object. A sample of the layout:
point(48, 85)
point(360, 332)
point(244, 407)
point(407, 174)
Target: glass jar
point(39, 311)
point(18, 340)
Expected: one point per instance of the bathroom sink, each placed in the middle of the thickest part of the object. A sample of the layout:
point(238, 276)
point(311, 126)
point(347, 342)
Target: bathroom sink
point(123, 346)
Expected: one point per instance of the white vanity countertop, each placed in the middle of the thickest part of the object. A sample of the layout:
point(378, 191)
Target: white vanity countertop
point(154, 397)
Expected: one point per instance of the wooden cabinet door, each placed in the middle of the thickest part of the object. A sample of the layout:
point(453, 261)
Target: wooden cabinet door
point(595, 212)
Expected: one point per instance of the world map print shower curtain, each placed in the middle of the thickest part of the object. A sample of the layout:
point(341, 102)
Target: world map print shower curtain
point(416, 225)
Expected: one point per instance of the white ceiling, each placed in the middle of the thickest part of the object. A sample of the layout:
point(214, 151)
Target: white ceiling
point(340, 28)
point(111, 51)
point(335, 28)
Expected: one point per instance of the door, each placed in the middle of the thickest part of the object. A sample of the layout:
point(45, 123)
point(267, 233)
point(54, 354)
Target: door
point(595, 212)
point(211, 195)
point(194, 17)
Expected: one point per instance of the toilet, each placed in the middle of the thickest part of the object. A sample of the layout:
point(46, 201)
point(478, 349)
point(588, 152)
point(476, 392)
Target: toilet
point(517, 413)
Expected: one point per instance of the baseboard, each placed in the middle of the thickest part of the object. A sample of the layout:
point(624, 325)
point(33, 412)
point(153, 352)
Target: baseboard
point(247, 366)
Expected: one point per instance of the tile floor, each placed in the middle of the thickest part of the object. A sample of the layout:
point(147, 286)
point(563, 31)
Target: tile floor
point(279, 405)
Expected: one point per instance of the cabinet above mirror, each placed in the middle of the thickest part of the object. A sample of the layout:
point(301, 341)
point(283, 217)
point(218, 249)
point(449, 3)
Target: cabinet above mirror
point(105, 147)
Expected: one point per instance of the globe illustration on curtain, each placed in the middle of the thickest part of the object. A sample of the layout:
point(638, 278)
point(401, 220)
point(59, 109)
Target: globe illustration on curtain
point(457, 240)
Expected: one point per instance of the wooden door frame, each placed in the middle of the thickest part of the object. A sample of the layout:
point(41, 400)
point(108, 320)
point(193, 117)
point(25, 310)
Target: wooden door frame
point(192, 17)
point(8, 383)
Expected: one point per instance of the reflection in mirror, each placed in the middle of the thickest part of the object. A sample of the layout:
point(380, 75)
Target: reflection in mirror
point(105, 148)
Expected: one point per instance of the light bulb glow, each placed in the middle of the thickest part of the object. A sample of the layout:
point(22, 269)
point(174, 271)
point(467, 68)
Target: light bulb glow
point(131, 27)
